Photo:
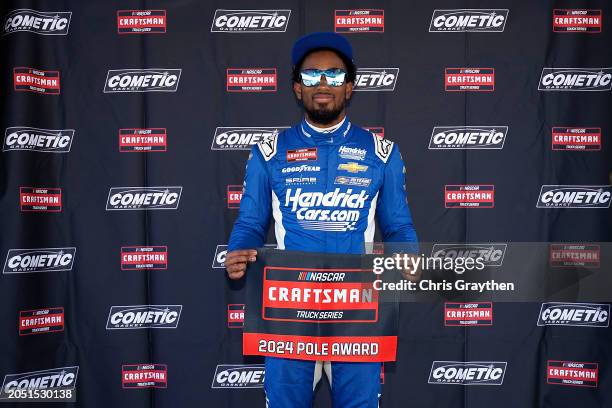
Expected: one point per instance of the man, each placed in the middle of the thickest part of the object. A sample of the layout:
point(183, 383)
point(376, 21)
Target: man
point(323, 181)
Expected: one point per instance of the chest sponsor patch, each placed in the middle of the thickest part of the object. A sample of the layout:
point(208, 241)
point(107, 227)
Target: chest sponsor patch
point(351, 153)
point(353, 181)
point(306, 154)
point(352, 167)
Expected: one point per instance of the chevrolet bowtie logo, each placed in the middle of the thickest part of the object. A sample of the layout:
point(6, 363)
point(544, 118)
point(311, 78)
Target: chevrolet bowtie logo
point(352, 167)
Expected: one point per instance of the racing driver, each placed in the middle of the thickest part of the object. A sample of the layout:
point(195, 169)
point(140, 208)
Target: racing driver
point(323, 181)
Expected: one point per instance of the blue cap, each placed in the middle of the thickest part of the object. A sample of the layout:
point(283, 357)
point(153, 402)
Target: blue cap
point(313, 41)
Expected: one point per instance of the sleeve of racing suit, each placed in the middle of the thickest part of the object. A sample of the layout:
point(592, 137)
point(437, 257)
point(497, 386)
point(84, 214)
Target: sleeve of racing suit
point(392, 209)
point(251, 227)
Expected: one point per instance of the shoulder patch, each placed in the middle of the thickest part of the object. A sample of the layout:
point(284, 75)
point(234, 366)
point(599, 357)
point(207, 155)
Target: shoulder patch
point(382, 147)
point(267, 146)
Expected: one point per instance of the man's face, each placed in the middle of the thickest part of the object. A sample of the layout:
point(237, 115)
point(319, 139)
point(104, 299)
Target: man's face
point(324, 104)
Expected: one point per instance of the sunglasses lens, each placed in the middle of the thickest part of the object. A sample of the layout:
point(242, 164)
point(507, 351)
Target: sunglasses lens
point(333, 77)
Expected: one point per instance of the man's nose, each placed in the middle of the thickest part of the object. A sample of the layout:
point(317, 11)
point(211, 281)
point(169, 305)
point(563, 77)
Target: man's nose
point(323, 82)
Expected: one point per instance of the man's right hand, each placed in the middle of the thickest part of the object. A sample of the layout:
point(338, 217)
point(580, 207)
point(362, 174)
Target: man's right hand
point(236, 262)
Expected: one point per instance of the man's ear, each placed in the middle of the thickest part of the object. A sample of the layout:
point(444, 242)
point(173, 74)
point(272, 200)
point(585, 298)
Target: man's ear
point(297, 90)
point(349, 90)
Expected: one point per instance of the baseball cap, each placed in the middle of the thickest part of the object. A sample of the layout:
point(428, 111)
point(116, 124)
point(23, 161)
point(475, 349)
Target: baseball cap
point(320, 40)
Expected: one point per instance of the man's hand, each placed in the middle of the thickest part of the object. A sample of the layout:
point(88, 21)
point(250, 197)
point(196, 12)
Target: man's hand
point(413, 272)
point(236, 262)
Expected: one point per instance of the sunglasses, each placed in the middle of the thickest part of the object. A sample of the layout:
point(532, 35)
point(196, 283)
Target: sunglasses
point(312, 77)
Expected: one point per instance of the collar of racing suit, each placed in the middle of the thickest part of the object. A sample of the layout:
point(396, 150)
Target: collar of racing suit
point(332, 135)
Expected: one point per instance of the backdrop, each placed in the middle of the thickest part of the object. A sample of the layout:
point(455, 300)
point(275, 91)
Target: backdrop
point(127, 126)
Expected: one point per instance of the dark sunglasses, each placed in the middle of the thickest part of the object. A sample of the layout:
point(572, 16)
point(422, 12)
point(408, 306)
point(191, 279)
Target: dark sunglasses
point(312, 77)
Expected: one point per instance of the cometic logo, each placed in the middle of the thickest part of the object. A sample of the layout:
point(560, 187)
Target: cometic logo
point(35, 80)
point(41, 321)
point(469, 20)
point(491, 254)
point(250, 21)
point(359, 21)
point(242, 138)
point(40, 199)
point(61, 378)
point(38, 22)
point(376, 79)
point(143, 140)
point(574, 314)
point(251, 80)
point(560, 196)
point(468, 372)
point(141, 21)
point(39, 260)
point(576, 21)
point(142, 80)
point(143, 198)
point(469, 196)
point(576, 138)
point(469, 79)
point(37, 140)
point(144, 376)
point(575, 79)
point(468, 137)
point(239, 376)
point(144, 316)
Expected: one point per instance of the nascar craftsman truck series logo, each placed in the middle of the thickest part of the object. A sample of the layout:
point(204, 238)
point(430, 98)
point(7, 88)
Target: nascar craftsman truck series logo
point(250, 21)
point(37, 22)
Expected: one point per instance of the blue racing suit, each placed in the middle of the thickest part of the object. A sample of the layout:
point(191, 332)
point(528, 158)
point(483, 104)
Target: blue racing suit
point(323, 190)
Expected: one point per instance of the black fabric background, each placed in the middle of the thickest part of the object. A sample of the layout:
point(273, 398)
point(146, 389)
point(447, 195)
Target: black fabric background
point(203, 221)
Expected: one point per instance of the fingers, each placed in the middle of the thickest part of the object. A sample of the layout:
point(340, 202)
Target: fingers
point(236, 262)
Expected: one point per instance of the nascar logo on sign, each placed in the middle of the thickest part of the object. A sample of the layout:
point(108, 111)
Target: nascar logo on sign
point(575, 79)
point(142, 140)
point(572, 255)
point(574, 314)
point(234, 195)
point(39, 260)
point(40, 199)
point(467, 372)
point(142, 80)
point(564, 196)
point(469, 20)
point(239, 376)
point(576, 21)
point(38, 140)
point(41, 321)
point(359, 21)
point(235, 316)
point(141, 21)
point(143, 198)
point(37, 22)
point(576, 138)
point(251, 80)
point(35, 80)
point(376, 79)
point(61, 378)
point(144, 317)
point(469, 196)
point(242, 138)
point(144, 257)
point(468, 314)
point(469, 79)
point(572, 373)
point(250, 21)
point(492, 254)
point(144, 376)
point(468, 137)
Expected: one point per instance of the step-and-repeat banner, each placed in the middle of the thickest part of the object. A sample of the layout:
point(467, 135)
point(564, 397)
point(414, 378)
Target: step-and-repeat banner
point(126, 127)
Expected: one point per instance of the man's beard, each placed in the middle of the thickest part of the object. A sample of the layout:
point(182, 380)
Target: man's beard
point(324, 116)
